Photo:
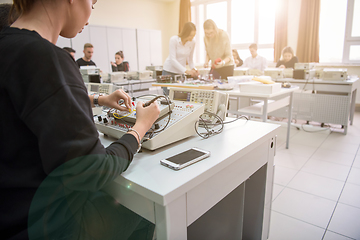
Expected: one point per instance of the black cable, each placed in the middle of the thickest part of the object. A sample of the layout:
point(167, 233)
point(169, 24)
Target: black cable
point(209, 127)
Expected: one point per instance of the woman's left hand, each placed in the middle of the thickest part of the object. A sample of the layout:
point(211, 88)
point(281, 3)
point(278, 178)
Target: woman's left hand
point(113, 99)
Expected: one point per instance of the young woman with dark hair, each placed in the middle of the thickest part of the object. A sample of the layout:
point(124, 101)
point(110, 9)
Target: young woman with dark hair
point(53, 166)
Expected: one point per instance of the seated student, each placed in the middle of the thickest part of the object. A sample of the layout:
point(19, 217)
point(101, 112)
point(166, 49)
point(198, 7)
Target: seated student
point(255, 61)
point(287, 59)
point(86, 59)
point(237, 60)
point(71, 51)
point(119, 65)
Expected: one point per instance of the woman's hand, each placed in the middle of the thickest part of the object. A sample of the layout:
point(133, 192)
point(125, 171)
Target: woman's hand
point(218, 63)
point(113, 99)
point(282, 66)
point(113, 64)
point(145, 117)
point(192, 72)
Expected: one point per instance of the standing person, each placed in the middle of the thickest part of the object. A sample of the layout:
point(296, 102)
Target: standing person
point(86, 59)
point(71, 51)
point(119, 65)
point(181, 50)
point(255, 61)
point(237, 60)
point(288, 59)
point(52, 164)
point(217, 46)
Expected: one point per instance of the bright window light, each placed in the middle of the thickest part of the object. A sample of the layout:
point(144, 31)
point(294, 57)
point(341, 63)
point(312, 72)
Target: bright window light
point(332, 30)
point(356, 20)
point(242, 19)
point(218, 13)
point(354, 53)
point(267, 9)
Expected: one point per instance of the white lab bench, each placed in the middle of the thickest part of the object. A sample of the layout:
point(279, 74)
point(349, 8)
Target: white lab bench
point(323, 101)
point(269, 103)
point(225, 196)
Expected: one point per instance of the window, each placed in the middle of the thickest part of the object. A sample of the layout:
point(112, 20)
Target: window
point(245, 21)
point(344, 32)
point(332, 38)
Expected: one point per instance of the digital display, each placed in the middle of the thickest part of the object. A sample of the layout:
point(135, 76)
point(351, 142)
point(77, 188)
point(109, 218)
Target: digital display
point(186, 156)
point(182, 96)
point(94, 88)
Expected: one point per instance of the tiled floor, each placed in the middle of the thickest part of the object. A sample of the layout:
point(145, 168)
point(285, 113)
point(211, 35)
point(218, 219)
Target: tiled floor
point(316, 192)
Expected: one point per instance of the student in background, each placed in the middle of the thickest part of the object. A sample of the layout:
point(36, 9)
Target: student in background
point(255, 61)
point(71, 51)
point(181, 50)
point(86, 59)
point(119, 65)
point(287, 59)
point(53, 166)
point(217, 46)
point(237, 60)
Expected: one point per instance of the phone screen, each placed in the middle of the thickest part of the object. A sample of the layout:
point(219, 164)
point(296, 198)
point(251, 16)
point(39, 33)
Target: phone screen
point(186, 156)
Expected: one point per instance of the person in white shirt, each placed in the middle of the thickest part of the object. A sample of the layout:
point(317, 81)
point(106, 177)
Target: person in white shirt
point(181, 50)
point(255, 61)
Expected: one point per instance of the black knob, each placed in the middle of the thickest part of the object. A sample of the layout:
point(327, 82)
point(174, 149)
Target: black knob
point(105, 120)
point(99, 118)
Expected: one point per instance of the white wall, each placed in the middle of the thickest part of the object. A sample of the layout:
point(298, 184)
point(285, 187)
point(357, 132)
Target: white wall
point(160, 15)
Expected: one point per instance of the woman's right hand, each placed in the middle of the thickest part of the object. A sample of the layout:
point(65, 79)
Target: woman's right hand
point(145, 117)
point(114, 64)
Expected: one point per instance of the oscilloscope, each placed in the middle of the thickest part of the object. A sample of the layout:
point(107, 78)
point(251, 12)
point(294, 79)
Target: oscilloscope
point(214, 101)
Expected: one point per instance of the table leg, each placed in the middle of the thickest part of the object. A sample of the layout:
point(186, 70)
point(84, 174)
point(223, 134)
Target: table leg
point(289, 120)
point(265, 109)
point(170, 220)
point(352, 106)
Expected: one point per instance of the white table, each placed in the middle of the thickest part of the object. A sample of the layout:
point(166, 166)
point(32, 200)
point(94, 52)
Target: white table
point(269, 103)
point(324, 101)
point(189, 203)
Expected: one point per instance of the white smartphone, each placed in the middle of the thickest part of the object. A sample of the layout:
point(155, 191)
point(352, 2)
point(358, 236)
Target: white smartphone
point(185, 158)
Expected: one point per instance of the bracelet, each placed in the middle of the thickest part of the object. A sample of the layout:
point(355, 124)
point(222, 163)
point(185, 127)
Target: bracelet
point(96, 100)
point(138, 135)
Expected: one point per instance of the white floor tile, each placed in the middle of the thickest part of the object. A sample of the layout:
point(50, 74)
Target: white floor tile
point(285, 228)
point(334, 156)
point(356, 163)
point(303, 206)
point(354, 176)
point(345, 221)
point(334, 236)
point(345, 147)
point(327, 169)
point(340, 137)
point(277, 190)
point(309, 139)
point(298, 149)
point(288, 160)
point(351, 195)
point(283, 175)
point(317, 185)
